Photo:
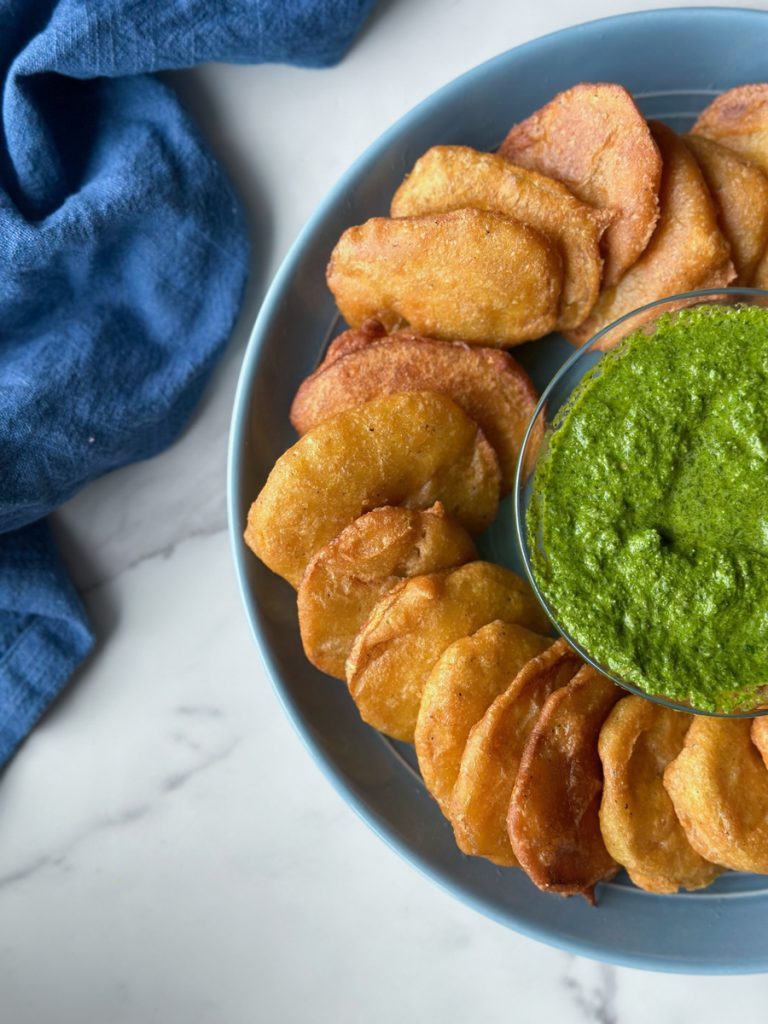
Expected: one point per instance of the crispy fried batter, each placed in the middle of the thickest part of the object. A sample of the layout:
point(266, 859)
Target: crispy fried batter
point(719, 788)
point(738, 119)
point(410, 450)
point(740, 191)
point(760, 278)
point(638, 822)
point(593, 138)
point(354, 338)
point(470, 275)
point(489, 385)
point(554, 819)
point(455, 177)
point(488, 769)
point(687, 249)
point(759, 736)
point(410, 627)
point(350, 574)
point(466, 678)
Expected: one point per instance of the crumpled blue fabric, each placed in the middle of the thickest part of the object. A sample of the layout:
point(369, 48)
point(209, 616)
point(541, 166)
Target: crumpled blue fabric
point(123, 256)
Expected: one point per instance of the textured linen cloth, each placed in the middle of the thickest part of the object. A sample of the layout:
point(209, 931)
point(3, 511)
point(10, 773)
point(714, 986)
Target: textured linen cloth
point(123, 255)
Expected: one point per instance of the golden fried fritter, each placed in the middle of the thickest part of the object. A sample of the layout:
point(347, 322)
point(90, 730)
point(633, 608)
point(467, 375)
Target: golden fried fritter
point(687, 250)
point(554, 813)
point(719, 787)
point(638, 822)
point(463, 683)
point(455, 177)
point(369, 557)
point(413, 450)
point(593, 138)
point(490, 762)
point(738, 119)
point(489, 385)
point(740, 191)
point(410, 627)
point(470, 275)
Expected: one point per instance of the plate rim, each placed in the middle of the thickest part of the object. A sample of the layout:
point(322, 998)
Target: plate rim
point(436, 874)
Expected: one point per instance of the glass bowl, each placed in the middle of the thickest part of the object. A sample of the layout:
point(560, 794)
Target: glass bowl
point(556, 395)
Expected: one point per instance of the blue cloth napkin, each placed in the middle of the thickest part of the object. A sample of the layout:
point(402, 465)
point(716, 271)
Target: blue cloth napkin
point(124, 256)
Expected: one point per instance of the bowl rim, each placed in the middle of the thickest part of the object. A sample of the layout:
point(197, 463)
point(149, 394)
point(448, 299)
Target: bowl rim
point(521, 505)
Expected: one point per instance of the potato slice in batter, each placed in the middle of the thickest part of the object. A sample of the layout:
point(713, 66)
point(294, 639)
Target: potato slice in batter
point(490, 762)
point(638, 822)
point(470, 275)
point(350, 574)
point(593, 138)
point(687, 250)
point(409, 629)
point(719, 787)
point(760, 278)
point(554, 813)
point(489, 385)
point(740, 191)
point(410, 450)
point(351, 340)
point(759, 736)
point(738, 119)
point(456, 177)
point(465, 680)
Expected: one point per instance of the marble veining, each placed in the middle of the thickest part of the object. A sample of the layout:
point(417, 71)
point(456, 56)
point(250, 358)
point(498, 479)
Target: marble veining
point(596, 1001)
point(163, 552)
point(128, 815)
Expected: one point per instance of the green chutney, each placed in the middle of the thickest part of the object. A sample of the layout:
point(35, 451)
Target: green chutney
point(648, 521)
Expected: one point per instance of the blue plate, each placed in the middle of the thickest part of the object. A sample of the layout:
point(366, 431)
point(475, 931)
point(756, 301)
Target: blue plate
point(674, 62)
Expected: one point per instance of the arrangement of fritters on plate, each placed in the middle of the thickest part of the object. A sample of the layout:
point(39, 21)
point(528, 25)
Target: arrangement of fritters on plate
point(410, 431)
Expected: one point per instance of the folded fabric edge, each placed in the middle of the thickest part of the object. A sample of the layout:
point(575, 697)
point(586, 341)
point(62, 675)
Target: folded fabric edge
point(34, 671)
point(313, 55)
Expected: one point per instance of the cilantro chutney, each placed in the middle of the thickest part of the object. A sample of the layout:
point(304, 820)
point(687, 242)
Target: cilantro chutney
point(648, 520)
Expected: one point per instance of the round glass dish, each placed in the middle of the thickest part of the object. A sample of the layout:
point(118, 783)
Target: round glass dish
point(557, 394)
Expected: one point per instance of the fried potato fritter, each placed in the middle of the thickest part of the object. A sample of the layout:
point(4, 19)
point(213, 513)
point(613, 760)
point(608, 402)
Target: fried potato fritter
point(740, 191)
point(410, 627)
point(738, 119)
point(554, 813)
point(369, 557)
point(350, 341)
point(470, 275)
point(489, 385)
point(637, 820)
point(760, 278)
point(687, 250)
point(593, 138)
point(490, 762)
point(719, 787)
point(759, 736)
point(463, 683)
point(413, 450)
point(449, 178)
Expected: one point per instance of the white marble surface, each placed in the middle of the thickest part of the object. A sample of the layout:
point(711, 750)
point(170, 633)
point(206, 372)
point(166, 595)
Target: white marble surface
point(170, 853)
